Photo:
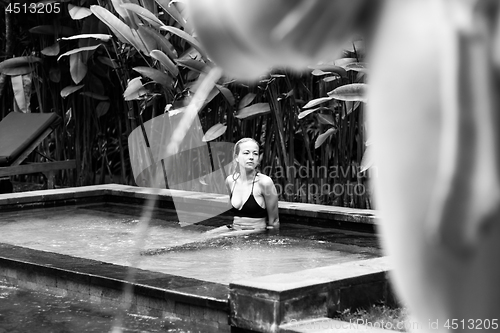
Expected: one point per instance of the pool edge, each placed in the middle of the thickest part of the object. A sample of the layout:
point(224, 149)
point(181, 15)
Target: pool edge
point(310, 214)
point(146, 300)
point(154, 294)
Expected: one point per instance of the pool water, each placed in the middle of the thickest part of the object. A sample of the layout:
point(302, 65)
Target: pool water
point(34, 311)
point(89, 232)
point(225, 260)
point(107, 232)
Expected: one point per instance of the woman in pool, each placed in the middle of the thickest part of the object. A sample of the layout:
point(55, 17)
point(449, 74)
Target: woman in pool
point(252, 195)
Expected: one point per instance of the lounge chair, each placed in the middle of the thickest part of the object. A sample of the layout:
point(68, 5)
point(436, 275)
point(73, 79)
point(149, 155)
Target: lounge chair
point(20, 134)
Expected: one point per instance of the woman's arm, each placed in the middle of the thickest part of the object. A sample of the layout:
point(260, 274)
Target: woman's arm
point(271, 198)
point(227, 182)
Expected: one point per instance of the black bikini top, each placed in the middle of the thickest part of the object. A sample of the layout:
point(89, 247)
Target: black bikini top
point(250, 208)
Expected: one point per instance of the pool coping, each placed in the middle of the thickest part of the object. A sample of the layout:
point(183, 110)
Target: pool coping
point(153, 293)
point(313, 214)
point(147, 283)
point(192, 299)
point(308, 294)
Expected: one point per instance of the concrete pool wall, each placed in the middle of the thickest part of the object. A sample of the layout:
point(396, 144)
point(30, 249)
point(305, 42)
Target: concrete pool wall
point(264, 304)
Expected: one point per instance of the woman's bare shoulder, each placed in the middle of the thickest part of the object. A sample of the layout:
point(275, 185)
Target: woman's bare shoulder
point(265, 180)
point(229, 180)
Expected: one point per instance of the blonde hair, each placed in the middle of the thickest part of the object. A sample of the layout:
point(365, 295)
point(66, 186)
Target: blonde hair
point(236, 151)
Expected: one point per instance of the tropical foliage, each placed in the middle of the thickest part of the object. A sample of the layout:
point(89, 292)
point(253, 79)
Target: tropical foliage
point(108, 67)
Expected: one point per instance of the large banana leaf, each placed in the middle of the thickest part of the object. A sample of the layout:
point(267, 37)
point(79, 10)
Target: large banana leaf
point(150, 5)
point(55, 74)
point(253, 110)
point(322, 137)
point(319, 72)
point(322, 69)
point(77, 12)
point(165, 61)
point(190, 39)
point(155, 75)
point(108, 62)
point(344, 62)
point(148, 41)
point(350, 92)
point(77, 68)
point(317, 101)
point(351, 106)
point(195, 65)
point(228, 95)
point(78, 50)
point(173, 12)
point(140, 44)
point(214, 132)
point(330, 78)
point(307, 112)
point(124, 33)
point(326, 119)
point(69, 90)
point(51, 50)
point(357, 66)
point(144, 13)
point(135, 89)
point(103, 37)
point(246, 100)
point(163, 44)
point(19, 65)
point(130, 18)
point(21, 85)
point(52, 30)
point(102, 108)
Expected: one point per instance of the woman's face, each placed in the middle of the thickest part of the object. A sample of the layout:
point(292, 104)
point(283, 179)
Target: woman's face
point(248, 156)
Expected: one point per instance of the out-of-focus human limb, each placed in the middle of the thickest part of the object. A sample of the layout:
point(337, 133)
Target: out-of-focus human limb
point(246, 38)
point(434, 121)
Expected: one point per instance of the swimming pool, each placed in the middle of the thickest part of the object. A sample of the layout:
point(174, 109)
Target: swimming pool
point(77, 242)
point(107, 232)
